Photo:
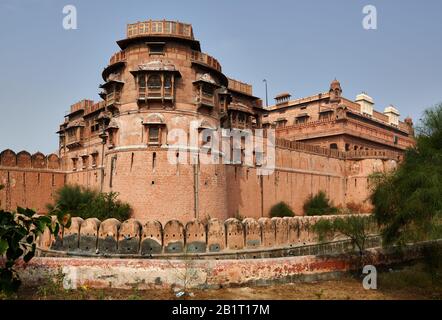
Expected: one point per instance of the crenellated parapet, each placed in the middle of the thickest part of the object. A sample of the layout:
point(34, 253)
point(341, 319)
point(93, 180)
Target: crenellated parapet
point(212, 237)
point(26, 160)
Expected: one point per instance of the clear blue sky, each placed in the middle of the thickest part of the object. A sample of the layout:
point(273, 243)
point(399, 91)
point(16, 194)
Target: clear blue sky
point(298, 46)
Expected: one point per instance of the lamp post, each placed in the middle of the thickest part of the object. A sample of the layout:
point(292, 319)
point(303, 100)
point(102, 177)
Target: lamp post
point(267, 100)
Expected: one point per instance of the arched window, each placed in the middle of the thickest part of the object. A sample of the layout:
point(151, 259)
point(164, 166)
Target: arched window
point(154, 82)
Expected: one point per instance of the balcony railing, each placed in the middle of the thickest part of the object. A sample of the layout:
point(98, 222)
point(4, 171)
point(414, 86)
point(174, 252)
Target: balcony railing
point(118, 57)
point(154, 93)
point(240, 86)
point(205, 59)
point(166, 28)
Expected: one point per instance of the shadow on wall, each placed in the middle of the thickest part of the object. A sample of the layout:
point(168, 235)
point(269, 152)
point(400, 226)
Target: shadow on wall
point(131, 237)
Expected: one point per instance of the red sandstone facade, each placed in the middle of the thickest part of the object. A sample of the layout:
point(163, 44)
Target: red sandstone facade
point(160, 81)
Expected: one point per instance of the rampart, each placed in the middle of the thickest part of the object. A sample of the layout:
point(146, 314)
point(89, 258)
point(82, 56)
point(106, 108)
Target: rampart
point(29, 180)
point(224, 191)
point(232, 238)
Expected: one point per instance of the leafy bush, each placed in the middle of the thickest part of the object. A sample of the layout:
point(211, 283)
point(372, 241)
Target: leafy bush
point(281, 209)
point(408, 202)
point(18, 233)
point(319, 205)
point(86, 203)
point(357, 228)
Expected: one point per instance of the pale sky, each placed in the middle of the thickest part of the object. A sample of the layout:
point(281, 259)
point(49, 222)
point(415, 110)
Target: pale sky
point(298, 46)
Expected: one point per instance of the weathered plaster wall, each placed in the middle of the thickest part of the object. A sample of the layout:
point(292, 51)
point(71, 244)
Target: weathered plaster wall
point(152, 273)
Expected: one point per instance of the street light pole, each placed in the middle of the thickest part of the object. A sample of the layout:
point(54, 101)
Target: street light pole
point(267, 100)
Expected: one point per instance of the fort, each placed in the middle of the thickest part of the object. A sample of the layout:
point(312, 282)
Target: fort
point(160, 80)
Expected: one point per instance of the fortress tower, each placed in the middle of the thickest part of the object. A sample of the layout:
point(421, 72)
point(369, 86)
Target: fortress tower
point(159, 81)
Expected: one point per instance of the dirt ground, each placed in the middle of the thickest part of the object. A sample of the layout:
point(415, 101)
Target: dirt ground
point(406, 282)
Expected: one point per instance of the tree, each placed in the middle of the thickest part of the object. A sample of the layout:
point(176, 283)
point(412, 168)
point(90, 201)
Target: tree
point(319, 205)
point(408, 202)
point(18, 234)
point(281, 209)
point(357, 228)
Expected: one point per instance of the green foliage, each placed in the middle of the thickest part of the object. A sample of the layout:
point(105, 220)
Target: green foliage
point(432, 258)
point(18, 233)
point(86, 203)
point(357, 228)
point(281, 209)
point(319, 205)
point(408, 202)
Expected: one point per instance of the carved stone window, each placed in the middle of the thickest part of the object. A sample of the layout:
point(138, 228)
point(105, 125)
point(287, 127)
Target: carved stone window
point(155, 86)
point(156, 80)
point(154, 134)
point(155, 126)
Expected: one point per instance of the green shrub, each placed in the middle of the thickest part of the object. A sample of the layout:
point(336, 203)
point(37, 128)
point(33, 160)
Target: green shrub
point(281, 209)
point(357, 228)
point(18, 234)
point(319, 205)
point(86, 203)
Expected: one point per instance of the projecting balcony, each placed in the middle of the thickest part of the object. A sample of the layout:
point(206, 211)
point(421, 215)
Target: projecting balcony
point(205, 60)
point(117, 61)
point(239, 86)
point(205, 100)
point(72, 143)
point(113, 99)
point(117, 58)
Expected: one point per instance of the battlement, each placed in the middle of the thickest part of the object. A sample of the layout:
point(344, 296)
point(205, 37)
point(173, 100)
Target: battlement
point(24, 159)
point(151, 239)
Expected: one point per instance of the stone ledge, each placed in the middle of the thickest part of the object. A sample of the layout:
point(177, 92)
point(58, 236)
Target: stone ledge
point(151, 274)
